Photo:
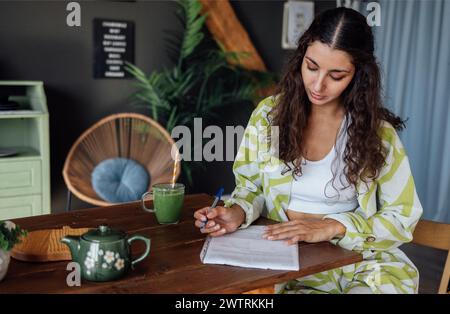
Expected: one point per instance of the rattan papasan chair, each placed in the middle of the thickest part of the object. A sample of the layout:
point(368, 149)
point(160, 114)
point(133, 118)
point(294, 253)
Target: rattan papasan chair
point(125, 135)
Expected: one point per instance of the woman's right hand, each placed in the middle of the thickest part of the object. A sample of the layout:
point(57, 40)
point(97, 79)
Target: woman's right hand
point(220, 220)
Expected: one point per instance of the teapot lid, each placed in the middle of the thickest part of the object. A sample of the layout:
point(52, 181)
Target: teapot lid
point(103, 234)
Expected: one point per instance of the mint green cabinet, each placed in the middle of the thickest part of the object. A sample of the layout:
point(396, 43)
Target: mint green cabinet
point(24, 206)
point(25, 177)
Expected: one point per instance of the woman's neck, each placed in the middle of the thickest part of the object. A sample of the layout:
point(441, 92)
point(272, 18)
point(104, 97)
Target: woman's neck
point(334, 110)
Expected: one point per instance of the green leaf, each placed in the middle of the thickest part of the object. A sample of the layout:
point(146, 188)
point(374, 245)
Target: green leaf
point(10, 236)
point(193, 25)
point(172, 119)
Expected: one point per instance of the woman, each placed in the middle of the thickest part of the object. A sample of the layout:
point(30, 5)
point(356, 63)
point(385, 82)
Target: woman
point(339, 172)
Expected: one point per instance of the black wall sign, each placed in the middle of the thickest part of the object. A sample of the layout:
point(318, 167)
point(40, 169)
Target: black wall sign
point(113, 45)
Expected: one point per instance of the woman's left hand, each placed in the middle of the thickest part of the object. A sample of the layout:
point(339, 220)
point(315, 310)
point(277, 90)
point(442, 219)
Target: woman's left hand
point(311, 230)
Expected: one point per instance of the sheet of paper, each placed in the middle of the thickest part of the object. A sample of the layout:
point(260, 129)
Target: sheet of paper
point(247, 248)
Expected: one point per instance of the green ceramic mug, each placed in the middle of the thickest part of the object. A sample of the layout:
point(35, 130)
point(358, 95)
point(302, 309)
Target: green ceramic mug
point(167, 202)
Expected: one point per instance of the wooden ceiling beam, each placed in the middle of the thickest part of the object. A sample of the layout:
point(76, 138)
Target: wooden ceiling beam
point(225, 27)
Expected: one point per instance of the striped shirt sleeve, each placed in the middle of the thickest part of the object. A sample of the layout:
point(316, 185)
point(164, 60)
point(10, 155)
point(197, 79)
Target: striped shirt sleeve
point(397, 206)
point(248, 192)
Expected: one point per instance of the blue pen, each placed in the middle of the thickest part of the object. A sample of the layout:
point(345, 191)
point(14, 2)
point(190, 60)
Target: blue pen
point(214, 204)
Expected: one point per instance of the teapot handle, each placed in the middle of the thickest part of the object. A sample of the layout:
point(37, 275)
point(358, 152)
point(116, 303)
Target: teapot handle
point(147, 248)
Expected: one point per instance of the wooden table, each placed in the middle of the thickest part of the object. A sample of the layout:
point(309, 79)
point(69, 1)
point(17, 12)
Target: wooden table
point(173, 265)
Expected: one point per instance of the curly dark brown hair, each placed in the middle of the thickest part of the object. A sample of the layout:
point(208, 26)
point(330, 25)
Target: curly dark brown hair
point(347, 30)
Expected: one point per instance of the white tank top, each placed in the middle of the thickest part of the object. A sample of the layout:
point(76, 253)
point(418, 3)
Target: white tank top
point(315, 191)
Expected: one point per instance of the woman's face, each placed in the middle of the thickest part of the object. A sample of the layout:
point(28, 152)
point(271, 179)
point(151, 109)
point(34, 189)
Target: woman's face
point(326, 73)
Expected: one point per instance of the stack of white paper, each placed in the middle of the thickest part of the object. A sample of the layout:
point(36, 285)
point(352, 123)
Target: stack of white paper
point(247, 248)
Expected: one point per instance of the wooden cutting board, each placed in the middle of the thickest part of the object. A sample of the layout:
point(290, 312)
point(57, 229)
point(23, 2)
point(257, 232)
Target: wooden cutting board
point(45, 245)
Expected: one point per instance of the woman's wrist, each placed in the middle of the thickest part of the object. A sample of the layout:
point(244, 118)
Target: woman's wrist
point(338, 228)
point(240, 213)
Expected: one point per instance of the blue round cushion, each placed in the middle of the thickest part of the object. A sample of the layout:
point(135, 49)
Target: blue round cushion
point(120, 180)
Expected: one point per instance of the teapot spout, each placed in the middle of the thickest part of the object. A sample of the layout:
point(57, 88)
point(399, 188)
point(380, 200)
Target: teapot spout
point(73, 242)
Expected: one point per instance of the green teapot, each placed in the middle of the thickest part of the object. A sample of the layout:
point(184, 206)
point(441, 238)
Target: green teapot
point(104, 254)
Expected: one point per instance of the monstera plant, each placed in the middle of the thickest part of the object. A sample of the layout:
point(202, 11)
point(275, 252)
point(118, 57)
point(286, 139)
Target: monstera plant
point(201, 80)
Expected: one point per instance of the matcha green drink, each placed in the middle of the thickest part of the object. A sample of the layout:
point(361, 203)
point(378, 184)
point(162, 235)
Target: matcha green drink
point(167, 201)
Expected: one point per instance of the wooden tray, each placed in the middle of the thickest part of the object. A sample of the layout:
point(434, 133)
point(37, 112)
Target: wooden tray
point(45, 246)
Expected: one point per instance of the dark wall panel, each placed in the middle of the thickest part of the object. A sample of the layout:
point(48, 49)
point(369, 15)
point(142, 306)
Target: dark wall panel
point(36, 44)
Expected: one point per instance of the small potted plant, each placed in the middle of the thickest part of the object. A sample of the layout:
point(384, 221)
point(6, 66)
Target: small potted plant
point(10, 235)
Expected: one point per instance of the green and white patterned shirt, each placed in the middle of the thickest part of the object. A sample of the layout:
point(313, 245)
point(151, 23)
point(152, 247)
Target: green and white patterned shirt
point(388, 210)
